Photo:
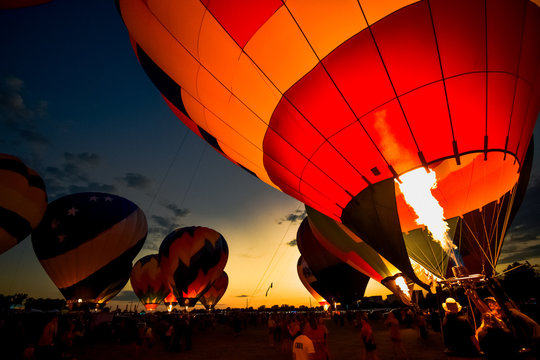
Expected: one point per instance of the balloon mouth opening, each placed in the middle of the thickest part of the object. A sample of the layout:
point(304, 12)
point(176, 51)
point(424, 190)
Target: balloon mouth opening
point(150, 307)
point(464, 187)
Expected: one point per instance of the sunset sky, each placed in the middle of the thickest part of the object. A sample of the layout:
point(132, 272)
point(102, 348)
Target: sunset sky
point(76, 106)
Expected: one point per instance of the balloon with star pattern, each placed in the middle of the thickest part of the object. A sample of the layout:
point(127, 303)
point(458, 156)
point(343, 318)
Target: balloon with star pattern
point(86, 243)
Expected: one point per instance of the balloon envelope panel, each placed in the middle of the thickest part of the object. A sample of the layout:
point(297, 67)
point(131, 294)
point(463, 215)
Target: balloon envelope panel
point(191, 259)
point(211, 297)
point(335, 280)
point(148, 282)
point(86, 242)
point(23, 201)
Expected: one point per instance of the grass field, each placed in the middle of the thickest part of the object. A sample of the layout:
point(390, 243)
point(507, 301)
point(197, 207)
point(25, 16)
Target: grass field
point(252, 344)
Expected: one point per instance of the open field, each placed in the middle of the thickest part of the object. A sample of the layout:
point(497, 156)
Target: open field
point(252, 343)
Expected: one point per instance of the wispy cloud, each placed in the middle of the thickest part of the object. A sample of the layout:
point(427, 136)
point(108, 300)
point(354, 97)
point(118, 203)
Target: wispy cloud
point(292, 243)
point(294, 217)
point(137, 181)
point(19, 117)
point(178, 212)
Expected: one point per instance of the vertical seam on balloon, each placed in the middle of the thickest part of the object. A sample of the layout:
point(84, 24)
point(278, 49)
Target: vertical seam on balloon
point(442, 71)
point(516, 76)
point(487, 77)
point(253, 112)
point(340, 93)
point(388, 75)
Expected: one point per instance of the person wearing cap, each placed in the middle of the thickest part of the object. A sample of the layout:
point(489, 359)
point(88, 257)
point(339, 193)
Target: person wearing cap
point(459, 335)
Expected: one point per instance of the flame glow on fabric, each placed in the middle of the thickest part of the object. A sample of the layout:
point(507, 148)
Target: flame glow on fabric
point(192, 258)
point(148, 282)
point(23, 201)
point(86, 243)
point(331, 101)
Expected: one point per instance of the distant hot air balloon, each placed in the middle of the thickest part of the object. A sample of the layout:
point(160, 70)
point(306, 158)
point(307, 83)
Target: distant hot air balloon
point(87, 241)
point(307, 278)
point(23, 201)
point(192, 258)
point(333, 102)
point(148, 282)
point(211, 297)
point(170, 301)
point(336, 281)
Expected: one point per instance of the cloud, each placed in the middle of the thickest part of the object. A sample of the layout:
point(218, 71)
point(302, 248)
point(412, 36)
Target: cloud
point(137, 181)
point(294, 217)
point(86, 158)
point(292, 243)
point(178, 212)
point(527, 252)
point(126, 295)
point(17, 116)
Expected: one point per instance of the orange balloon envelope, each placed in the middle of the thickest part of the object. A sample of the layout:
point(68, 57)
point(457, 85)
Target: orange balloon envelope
point(23, 201)
point(148, 282)
point(192, 258)
point(332, 101)
point(216, 291)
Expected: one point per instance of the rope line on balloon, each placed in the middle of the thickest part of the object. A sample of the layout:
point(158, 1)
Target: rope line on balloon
point(264, 276)
point(283, 95)
point(167, 172)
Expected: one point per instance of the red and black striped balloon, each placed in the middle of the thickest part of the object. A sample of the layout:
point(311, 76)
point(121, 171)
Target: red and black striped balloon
point(23, 200)
point(192, 259)
point(148, 282)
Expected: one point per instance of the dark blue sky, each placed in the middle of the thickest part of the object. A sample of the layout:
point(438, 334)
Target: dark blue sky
point(76, 106)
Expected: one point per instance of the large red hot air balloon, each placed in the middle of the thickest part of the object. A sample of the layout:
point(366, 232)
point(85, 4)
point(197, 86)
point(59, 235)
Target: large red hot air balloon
point(148, 282)
point(211, 297)
point(192, 258)
point(23, 201)
point(333, 101)
point(86, 243)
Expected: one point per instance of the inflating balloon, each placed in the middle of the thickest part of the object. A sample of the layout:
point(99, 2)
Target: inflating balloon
point(307, 278)
point(23, 201)
point(87, 241)
point(148, 282)
point(192, 258)
point(334, 102)
point(336, 281)
point(211, 297)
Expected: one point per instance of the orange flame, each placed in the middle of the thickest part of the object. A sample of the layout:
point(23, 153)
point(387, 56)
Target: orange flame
point(416, 187)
